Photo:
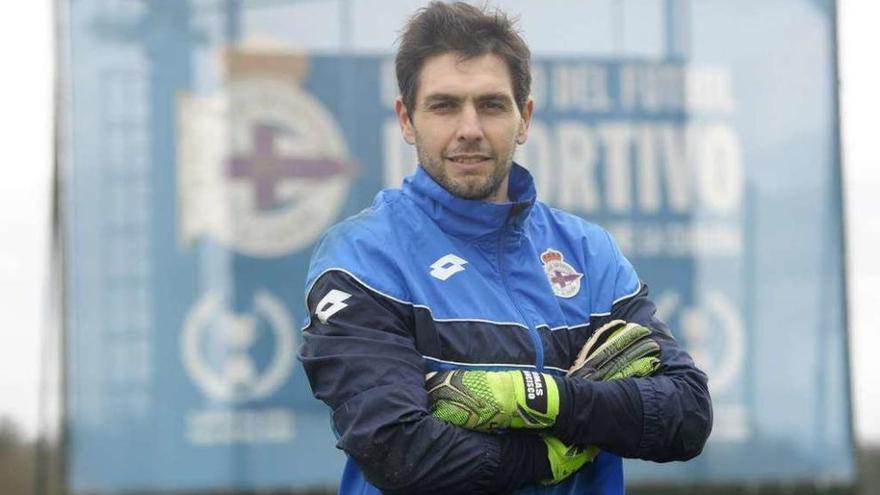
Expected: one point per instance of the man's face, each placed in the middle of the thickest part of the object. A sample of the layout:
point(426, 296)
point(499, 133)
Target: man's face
point(465, 124)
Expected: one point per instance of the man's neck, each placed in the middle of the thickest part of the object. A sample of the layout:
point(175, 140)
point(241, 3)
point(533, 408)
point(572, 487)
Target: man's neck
point(501, 194)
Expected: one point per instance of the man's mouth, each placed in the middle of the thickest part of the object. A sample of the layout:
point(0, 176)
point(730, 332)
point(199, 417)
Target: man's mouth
point(468, 159)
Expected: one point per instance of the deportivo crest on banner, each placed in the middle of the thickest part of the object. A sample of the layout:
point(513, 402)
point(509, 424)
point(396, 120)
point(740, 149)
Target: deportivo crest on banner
point(563, 278)
point(262, 167)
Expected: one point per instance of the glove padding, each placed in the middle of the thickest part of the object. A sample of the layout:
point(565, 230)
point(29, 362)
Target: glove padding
point(487, 400)
point(493, 400)
point(566, 460)
point(617, 350)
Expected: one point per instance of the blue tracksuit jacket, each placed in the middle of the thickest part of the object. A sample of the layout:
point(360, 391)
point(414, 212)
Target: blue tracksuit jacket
point(425, 281)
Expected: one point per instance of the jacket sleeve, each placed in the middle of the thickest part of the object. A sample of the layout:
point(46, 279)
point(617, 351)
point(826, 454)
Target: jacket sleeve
point(361, 360)
point(665, 417)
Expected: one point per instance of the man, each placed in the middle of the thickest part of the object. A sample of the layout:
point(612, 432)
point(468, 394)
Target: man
point(544, 359)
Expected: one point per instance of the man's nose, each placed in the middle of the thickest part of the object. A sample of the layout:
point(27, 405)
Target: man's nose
point(469, 127)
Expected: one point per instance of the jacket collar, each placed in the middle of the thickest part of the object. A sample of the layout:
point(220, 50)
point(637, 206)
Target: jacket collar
point(471, 218)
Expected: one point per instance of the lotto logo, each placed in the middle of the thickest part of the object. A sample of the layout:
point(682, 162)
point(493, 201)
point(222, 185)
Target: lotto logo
point(447, 266)
point(331, 304)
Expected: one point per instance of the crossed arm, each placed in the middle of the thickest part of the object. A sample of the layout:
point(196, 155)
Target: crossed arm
point(363, 363)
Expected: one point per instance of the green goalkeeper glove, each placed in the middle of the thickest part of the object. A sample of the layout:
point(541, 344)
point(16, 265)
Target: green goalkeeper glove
point(617, 350)
point(492, 400)
point(565, 460)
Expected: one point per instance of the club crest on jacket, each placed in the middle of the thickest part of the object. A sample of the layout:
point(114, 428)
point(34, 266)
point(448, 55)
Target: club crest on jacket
point(563, 278)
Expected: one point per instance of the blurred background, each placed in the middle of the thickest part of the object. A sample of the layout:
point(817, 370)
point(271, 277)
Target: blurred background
point(170, 164)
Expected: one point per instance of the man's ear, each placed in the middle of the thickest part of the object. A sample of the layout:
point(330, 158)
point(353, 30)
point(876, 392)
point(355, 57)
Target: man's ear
point(405, 121)
point(525, 119)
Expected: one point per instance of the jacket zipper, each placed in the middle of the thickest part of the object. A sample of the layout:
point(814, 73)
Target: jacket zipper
point(533, 332)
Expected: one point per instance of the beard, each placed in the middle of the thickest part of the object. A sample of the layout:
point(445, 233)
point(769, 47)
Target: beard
point(473, 186)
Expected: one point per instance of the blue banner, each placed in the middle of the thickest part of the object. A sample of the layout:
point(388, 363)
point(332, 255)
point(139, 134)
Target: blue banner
point(202, 163)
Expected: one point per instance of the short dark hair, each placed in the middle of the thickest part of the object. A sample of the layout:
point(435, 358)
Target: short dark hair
point(460, 28)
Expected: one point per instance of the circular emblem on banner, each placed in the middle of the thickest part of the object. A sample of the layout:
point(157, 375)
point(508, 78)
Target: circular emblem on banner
point(288, 169)
point(563, 278)
point(262, 166)
point(238, 357)
point(714, 333)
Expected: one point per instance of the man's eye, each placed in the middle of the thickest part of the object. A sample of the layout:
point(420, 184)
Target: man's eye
point(440, 106)
point(494, 105)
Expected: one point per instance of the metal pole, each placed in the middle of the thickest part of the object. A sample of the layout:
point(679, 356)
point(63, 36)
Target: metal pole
point(840, 213)
point(677, 29)
point(58, 463)
point(233, 21)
